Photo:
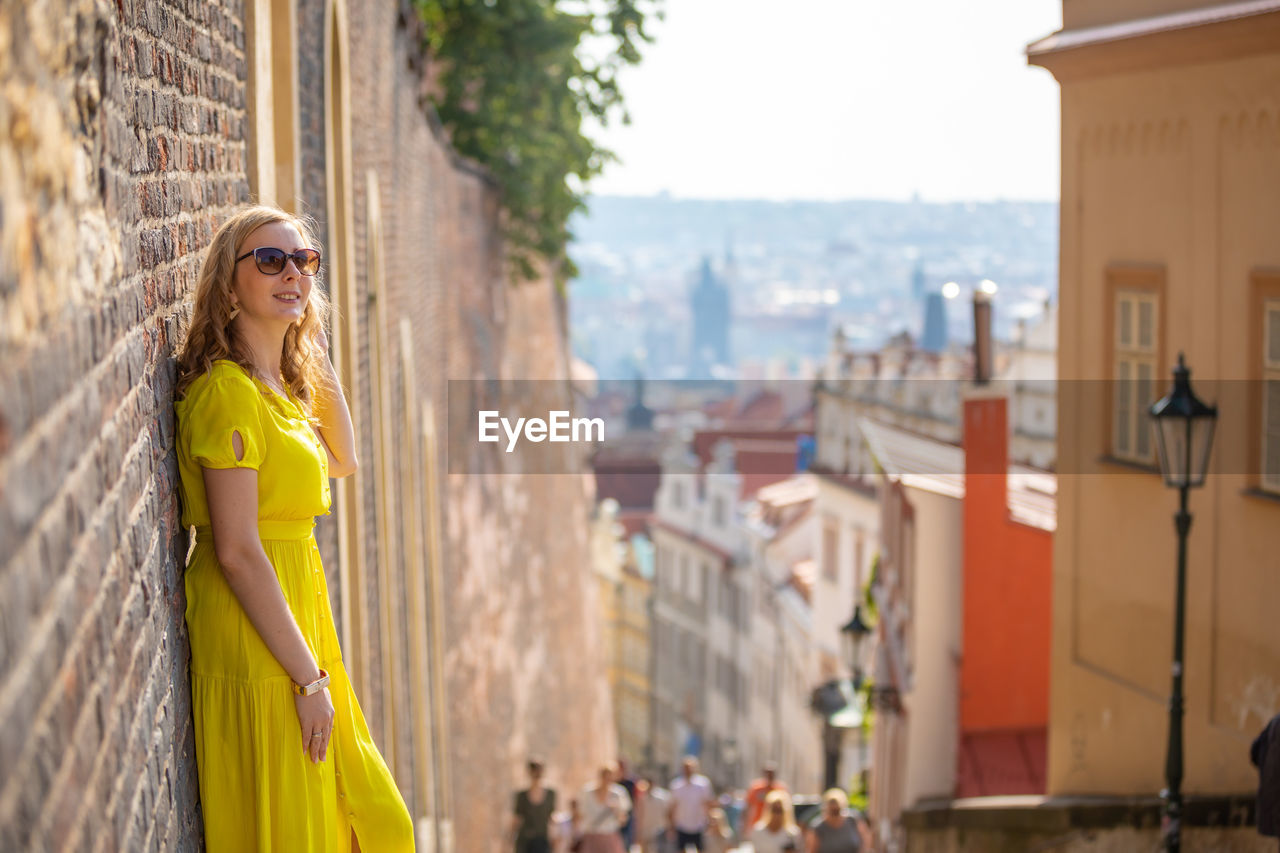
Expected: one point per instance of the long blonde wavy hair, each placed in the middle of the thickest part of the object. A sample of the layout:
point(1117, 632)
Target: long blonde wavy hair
point(210, 333)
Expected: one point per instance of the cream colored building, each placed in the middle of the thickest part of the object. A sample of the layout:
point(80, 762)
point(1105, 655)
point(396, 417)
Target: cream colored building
point(781, 526)
point(1170, 242)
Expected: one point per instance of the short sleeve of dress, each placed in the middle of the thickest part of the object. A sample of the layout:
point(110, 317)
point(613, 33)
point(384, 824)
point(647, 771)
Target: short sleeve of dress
point(224, 406)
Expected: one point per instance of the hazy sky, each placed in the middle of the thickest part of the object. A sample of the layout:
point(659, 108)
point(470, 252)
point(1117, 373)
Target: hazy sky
point(832, 99)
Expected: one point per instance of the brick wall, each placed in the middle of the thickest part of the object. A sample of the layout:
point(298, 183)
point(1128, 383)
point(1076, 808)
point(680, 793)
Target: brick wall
point(118, 156)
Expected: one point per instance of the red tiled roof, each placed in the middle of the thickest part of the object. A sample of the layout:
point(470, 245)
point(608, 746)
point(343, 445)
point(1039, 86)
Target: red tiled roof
point(633, 487)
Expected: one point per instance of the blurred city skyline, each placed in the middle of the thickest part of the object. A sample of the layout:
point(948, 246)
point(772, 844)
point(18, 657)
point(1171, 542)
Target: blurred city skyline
point(829, 100)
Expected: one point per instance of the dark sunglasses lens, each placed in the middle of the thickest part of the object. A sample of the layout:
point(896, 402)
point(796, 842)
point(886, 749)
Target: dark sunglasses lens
point(269, 261)
point(308, 261)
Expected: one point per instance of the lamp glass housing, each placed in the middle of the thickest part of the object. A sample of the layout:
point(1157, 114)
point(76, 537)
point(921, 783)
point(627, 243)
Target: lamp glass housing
point(1183, 427)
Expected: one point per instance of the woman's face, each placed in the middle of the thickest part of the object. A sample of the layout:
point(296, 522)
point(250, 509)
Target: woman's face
point(777, 813)
point(271, 300)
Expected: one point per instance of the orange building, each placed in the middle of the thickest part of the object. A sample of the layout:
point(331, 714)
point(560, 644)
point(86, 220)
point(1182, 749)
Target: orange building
point(963, 589)
point(1004, 668)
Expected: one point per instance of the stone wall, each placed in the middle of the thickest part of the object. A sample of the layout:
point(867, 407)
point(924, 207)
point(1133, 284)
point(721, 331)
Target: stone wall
point(1079, 825)
point(120, 151)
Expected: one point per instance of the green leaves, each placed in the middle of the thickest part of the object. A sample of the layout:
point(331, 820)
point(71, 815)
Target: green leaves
point(512, 85)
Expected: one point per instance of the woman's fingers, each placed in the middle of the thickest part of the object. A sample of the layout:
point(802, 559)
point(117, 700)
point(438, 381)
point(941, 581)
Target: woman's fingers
point(315, 716)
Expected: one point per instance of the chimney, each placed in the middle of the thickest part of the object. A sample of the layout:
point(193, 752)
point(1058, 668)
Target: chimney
point(982, 346)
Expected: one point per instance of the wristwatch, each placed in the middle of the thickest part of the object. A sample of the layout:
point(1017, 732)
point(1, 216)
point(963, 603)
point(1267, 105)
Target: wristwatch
point(314, 687)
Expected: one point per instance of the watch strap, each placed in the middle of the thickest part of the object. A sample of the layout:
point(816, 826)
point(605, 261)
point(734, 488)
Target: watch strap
point(314, 687)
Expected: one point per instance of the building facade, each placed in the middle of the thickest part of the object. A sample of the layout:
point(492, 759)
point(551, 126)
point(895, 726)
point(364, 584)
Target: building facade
point(1170, 195)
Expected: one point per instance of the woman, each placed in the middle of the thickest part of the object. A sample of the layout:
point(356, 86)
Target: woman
point(836, 830)
point(284, 757)
point(604, 810)
point(533, 810)
point(718, 837)
point(776, 830)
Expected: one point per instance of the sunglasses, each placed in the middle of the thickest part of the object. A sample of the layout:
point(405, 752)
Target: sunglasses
point(271, 261)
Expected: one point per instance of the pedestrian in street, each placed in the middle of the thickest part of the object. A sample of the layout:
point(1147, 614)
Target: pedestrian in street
point(1264, 752)
point(628, 782)
point(567, 827)
point(759, 789)
point(718, 837)
point(837, 829)
point(692, 799)
point(532, 811)
point(283, 754)
point(652, 817)
point(605, 806)
point(777, 831)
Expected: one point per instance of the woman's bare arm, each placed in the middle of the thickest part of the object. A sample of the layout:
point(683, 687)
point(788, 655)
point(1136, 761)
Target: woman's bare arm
point(335, 429)
point(233, 510)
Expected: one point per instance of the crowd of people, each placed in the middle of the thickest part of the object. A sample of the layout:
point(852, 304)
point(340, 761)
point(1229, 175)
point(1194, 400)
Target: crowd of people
point(621, 813)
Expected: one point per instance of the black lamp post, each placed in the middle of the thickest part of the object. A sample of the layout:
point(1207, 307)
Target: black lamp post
point(854, 632)
point(1184, 437)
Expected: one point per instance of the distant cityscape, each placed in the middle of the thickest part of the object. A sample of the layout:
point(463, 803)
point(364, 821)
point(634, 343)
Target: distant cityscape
point(755, 289)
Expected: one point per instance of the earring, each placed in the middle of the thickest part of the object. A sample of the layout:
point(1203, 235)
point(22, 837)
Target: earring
point(235, 311)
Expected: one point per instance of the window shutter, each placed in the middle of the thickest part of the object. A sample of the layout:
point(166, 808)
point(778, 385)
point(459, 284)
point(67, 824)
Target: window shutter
point(1271, 396)
point(1272, 331)
point(1123, 407)
point(1271, 434)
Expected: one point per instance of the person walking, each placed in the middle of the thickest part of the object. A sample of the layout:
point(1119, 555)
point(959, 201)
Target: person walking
point(628, 783)
point(837, 829)
point(1264, 752)
point(653, 809)
point(532, 812)
point(567, 827)
point(777, 831)
point(758, 790)
point(692, 799)
point(719, 837)
point(604, 809)
point(283, 754)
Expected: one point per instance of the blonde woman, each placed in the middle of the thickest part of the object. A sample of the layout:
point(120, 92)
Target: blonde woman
point(605, 806)
point(284, 757)
point(837, 829)
point(776, 830)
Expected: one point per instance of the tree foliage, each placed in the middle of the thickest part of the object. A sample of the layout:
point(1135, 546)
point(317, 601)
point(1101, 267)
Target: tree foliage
point(513, 81)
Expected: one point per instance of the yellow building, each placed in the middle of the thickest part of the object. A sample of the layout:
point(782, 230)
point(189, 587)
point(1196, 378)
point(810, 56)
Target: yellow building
point(1170, 242)
point(631, 696)
point(624, 576)
point(606, 563)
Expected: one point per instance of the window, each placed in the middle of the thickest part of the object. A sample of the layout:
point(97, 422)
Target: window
point(830, 542)
point(1136, 334)
point(1271, 396)
point(859, 553)
point(1265, 402)
point(719, 517)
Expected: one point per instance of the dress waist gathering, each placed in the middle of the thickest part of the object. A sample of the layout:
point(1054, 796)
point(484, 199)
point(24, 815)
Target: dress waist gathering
point(269, 529)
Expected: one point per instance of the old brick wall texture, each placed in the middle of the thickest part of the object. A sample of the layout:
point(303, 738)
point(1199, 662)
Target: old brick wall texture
point(122, 147)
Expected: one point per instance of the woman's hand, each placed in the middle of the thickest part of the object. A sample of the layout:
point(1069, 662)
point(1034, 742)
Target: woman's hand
point(315, 716)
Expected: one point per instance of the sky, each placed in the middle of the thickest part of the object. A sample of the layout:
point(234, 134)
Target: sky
point(840, 99)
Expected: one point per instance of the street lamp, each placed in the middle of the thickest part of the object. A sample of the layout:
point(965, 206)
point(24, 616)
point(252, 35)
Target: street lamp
point(1184, 437)
point(853, 633)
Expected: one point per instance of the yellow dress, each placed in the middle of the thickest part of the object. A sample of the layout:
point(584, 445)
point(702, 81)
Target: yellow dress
point(258, 788)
